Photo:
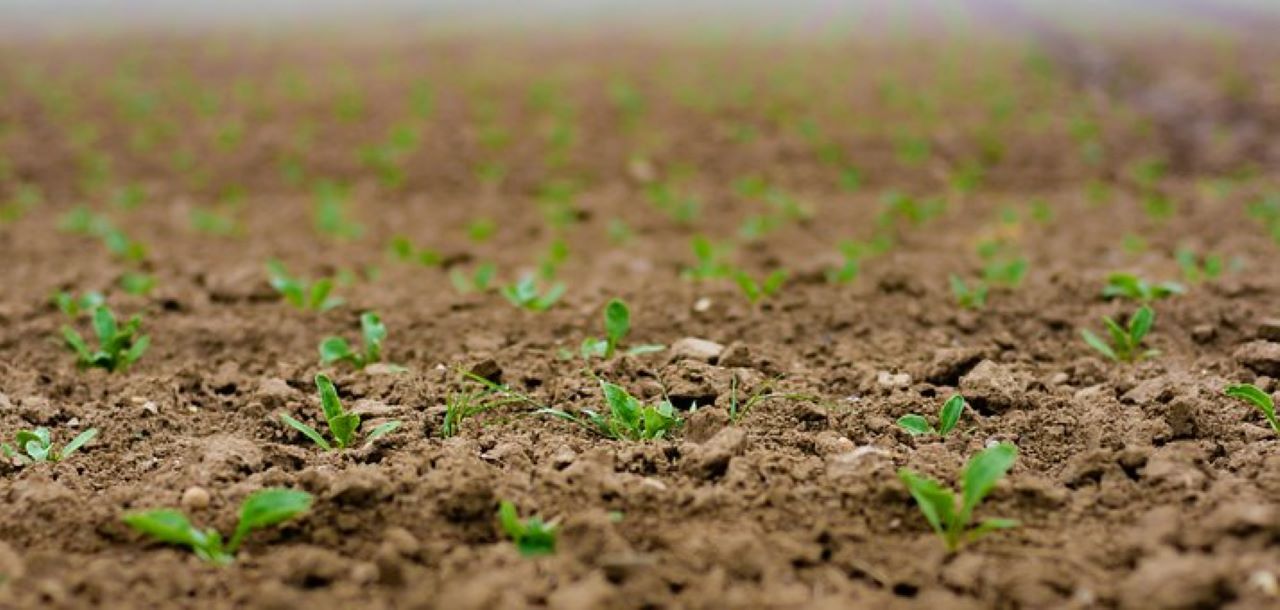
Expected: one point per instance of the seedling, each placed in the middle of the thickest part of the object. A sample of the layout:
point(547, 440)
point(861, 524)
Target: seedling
point(404, 250)
point(137, 284)
point(1255, 396)
point(118, 345)
point(738, 408)
point(854, 253)
point(533, 537)
point(301, 293)
point(1126, 343)
point(947, 419)
point(1196, 268)
point(331, 213)
point(939, 504)
point(710, 259)
point(525, 294)
point(1008, 273)
point(617, 323)
point(73, 306)
point(373, 332)
point(37, 446)
point(481, 230)
point(627, 418)
point(969, 295)
point(342, 424)
point(263, 508)
point(754, 289)
point(465, 403)
point(478, 281)
point(1130, 286)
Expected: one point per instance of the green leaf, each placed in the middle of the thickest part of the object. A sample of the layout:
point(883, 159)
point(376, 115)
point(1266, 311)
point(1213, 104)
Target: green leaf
point(104, 324)
point(135, 352)
point(267, 507)
point(617, 323)
point(380, 431)
point(1140, 324)
point(982, 473)
point(950, 415)
point(76, 342)
point(319, 297)
point(167, 525)
point(335, 349)
point(306, 430)
point(936, 502)
point(1259, 399)
point(329, 402)
point(77, 442)
point(991, 525)
point(374, 332)
point(1098, 344)
point(509, 519)
point(914, 424)
point(622, 406)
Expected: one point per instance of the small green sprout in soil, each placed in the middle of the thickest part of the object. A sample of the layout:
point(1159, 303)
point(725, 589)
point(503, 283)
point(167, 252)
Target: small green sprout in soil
point(372, 331)
point(758, 289)
point(710, 260)
point(952, 523)
point(465, 403)
point(330, 213)
point(481, 230)
point(1258, 398)
point(947, 419)
point(1130, 286)
point(1007, 273)
point(617, 323)
point(627, 418)
point(1126, 343)
point(263, 508)
point(301, 293)
point(969, 295)
point(532, 536)
point(404, 251)
point(1196, 268)
point(479, 280)
point(137, 284)
point(549, 262)
point(525, 294)
point(738, 408)
point(36, 446)
point(118, 345)
point(854, 253)
point(73, 306)
point(342, 424)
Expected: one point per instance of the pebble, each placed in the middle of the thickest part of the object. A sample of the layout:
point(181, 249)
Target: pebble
point(195, 498)
point(693, 348)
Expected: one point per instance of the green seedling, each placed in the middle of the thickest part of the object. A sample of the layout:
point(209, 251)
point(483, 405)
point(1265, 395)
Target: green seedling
point(901, 207)
point(404, 251)
point(301, 293)
point(627, 418)
point(372, 331)
point(969, 295)
point(738, 408)
point(1008, 273)
point(917, 425)
point(118, 345)
point(1195, 268)
point(617, 323)
point(479, 280)
point(549, 263)
point(525, 294)
point(481, 230)
point(35, 446)
point(1126, 343)
point(214, 221)
point(710, 260)
point(342, 424)
point(1256, 397)
point(137, 284)
point(756, 290)
point(854, 253)
point(123, 247)
point(533, 537)
point(952, 523)
point(73, 306)
point(263, 508)
point(1130, 286)
point(330, 213)
point(464, 404)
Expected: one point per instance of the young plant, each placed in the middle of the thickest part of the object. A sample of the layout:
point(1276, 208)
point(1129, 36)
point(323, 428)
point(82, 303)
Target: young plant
point(300, 293)
point(73, 306)
point(1256, 397)
point(952, 523)
point(1196, 268)
point(627, 418)
point(1126, 343)
point(137, 284)
point(330, 213)
point(465, 403)
point(373, 332)
point(1130, 286)
point(478, 281)
point(710, 260)
point(118, 345)
point(342, 424)
point(37, 446)
point(754, 289)
point(968, 295)
point(617, 323)
point(947, 419)
point(1008, 273)
point(526, 295)
point(404, 251)
point(263, 508)
point(532, 536)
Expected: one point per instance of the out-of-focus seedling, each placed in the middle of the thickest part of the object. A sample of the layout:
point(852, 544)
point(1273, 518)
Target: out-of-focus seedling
point(533, 537)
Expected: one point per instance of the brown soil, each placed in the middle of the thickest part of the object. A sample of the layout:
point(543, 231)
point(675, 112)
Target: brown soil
point(1138, 486)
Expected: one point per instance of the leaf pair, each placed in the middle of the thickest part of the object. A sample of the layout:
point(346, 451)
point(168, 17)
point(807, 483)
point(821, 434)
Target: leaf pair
point(263, 508)
point(1130, 286)
point(372, 332)
point(1255, 396)
point(939, 504)
point(73, 306)
point(627, 418)
point(947, 419)
point(754, 289)
point(617, 323)
point(1126, 343)
point(38, 446)
point(525, 294)
point(532, 536)
point(342, 424)
point(969, 295)
point(478, 281)
point(118, 345)
point(300, 293)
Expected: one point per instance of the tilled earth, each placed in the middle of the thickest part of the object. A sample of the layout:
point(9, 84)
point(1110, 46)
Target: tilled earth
point(1138, 486)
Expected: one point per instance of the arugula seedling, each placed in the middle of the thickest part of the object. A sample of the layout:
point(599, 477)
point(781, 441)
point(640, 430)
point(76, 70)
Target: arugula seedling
point(627, 418)
point(479, 280)
point(968, 295)
point(1255, 396)
point(38, 447)
point(938, 503)
point(137, 284)
point(118, 345)
point(754, 289)
point(73, 306)
point(404, 251)
point(263, 508)
point(300, 293)
point(372, 331)
point(1196, 269)
point(947, 419)
point(532, 536)
point(617, 323)
point(710, 260)
point(1130, 286)
point(1126, 343)
point(342, 424)
point(526, 295)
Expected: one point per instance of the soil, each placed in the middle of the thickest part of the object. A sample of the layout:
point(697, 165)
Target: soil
point(1138, 486)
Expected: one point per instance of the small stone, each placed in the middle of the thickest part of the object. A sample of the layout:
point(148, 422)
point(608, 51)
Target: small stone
point(383, 368)
point(196, 498)
point(1261, 357)
point(1203, 333)
point(693, 348)
point(367, 407)
point(992, 387)
point(486, 368)
point(702, 305)
point(1059, 379)
point(736, 355)
point(889, 380)
point(1264, 581)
